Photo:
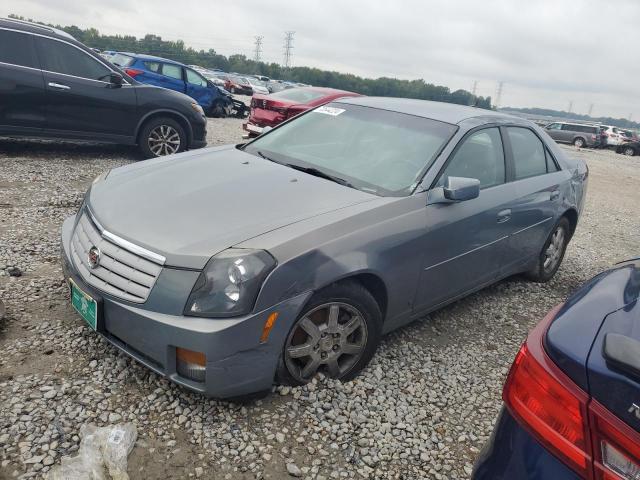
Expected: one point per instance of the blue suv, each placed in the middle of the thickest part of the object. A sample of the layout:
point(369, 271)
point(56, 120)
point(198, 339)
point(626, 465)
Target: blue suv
point(162, 72)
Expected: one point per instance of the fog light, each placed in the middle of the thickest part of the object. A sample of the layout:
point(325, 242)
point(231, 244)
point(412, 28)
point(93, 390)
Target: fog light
point(190, 364)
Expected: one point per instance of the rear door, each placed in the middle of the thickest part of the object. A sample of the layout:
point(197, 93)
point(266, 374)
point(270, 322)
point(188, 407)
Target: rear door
point(198, 88)
point(80, 102)
point(172, 77)
point(539, 190)
point(464, 244)
point(21, 85)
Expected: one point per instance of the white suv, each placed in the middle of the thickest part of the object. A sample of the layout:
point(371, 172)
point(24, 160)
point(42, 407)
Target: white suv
point(611, 135)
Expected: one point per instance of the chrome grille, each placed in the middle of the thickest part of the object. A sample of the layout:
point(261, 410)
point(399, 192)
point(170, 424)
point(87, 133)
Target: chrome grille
point(120, 272)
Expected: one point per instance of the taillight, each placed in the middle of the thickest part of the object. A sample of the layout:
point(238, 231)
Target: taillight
point(548, 403)
point(132, 72)
point(616, 446)
point(575, 428)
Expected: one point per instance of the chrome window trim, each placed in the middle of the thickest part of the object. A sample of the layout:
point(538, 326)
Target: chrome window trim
point(59, 73)
point(126, 244)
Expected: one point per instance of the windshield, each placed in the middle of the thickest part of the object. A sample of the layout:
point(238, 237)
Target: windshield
point(255, 82)
point(121, 60)
point(378, 151)
point(299, 95)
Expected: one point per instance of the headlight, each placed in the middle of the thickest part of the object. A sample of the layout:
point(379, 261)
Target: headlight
point(197, 108)
point(229, 284)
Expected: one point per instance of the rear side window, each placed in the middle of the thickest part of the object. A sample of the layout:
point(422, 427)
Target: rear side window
point(17, 49)
point(60, 57)
point(173, 71)
point(529, 156)
point(480, 156)
point(152, 66)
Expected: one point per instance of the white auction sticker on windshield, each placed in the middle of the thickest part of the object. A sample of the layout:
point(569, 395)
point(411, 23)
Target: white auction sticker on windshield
point(334, 112)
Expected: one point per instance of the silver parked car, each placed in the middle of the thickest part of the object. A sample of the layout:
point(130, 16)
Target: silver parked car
point(234, 267)
point(579, 134)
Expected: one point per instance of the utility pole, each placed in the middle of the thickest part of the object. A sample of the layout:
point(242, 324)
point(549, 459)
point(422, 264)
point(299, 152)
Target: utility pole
point(590, 109)
point(499, 93)
point(570, 106)
point(288, 48)
point(257, 50)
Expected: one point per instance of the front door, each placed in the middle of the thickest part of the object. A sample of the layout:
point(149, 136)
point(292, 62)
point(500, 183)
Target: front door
point(80, 100)
point(463, 248)
point(21, 85)
point(199, 89)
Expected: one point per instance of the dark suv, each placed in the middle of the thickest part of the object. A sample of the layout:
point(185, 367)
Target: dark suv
point(53, 86)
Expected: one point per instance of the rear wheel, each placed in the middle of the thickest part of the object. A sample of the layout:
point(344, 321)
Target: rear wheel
point(162, 136)
point(337, 334)
point(552, 253)
point(579, 142)
point(629, 151)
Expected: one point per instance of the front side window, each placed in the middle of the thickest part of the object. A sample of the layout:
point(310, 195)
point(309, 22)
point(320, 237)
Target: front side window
point(195, 78)
point(17, 49)
point(60, 57)
point(529, 156)
point(554, 126)
point(377, 151)
point(173, 71)
point(480, 156)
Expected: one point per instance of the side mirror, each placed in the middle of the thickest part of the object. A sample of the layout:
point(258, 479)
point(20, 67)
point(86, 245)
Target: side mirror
point(266, 130)
point(116, 80)
point(455, 189)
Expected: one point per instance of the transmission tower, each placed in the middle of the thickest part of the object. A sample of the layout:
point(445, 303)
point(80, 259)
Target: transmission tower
point(570, 106)
point(473, 92)
point(590, 109)
point(499, 93)
point(288, 48)
point(257, 49)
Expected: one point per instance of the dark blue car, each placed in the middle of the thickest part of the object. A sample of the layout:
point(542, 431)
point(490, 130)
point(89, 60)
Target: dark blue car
point(162, 72)
point(572, 397)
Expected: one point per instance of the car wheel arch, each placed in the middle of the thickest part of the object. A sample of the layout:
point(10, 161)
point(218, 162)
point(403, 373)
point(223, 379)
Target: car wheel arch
point(572, 216)
point(178, 117)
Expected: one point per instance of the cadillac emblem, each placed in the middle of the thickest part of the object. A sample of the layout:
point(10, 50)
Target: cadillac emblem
point(94, 257)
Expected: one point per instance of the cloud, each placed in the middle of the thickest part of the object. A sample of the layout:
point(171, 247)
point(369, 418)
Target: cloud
point(547, 52)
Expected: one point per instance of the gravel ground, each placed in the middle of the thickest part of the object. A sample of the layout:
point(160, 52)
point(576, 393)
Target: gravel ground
point(422, 409)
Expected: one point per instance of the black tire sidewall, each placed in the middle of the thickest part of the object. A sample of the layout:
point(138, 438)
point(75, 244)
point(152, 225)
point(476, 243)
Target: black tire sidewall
point(143, 138)
point(539, 274)
point(579, 139)
point(351, 293)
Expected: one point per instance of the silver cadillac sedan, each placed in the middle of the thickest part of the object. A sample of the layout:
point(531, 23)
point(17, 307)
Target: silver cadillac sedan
point(231, 268)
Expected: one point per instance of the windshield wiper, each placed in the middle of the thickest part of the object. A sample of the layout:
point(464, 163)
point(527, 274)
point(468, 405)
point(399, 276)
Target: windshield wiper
point(319, 173)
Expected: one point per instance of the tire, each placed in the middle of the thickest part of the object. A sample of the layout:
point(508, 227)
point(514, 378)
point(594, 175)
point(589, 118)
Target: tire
point(544, 272)
point(154, 143)
point(217, 110)
point(340, 348)
point(628, 151)
point(579, 142)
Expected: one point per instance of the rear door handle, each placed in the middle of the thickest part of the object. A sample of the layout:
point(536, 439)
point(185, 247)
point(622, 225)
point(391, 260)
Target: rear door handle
point(59, 86)
point(504, 215)
point(554, 195)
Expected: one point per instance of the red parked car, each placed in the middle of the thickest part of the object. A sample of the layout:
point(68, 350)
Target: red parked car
point(240, 85)
point(272, 110)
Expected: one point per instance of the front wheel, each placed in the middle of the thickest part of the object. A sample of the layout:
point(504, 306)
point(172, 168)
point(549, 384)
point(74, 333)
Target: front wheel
point(552, 253)
point(162, 136)
point(629, 151)
point(337, 334)
point(579, 142)
point(218, 110)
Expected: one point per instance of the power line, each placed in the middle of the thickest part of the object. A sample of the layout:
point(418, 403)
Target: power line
point(288, 48)
point(257, 51)
point(499, 93)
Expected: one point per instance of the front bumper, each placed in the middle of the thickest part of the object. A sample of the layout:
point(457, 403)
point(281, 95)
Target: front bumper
point(236, 362)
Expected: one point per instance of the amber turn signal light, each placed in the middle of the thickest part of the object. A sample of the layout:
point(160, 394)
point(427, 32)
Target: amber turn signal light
point(268, 325)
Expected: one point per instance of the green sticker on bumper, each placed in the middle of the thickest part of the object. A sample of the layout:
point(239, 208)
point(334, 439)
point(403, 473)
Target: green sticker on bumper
point(86, 306)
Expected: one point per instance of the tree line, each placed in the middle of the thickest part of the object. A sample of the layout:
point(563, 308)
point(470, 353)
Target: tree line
point(177, 50)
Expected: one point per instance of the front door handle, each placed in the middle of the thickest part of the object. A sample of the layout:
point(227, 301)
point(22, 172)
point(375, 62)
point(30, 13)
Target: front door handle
point(504, 215)
point(554, 195)
point(59, 86)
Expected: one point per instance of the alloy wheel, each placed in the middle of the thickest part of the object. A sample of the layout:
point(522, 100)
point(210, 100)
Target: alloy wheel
point(331, 337)
point(553, 253)
point(164, 140)
point(629, 151)
point(579, 143)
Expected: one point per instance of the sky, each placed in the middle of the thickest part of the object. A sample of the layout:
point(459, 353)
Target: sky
point(548, 53)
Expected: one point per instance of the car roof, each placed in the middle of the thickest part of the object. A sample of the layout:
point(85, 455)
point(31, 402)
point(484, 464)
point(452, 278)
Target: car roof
point(144, 56)
point(441, 111)
point(32, 27)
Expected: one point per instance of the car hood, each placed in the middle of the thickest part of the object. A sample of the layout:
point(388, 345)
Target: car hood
point(191, 206)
